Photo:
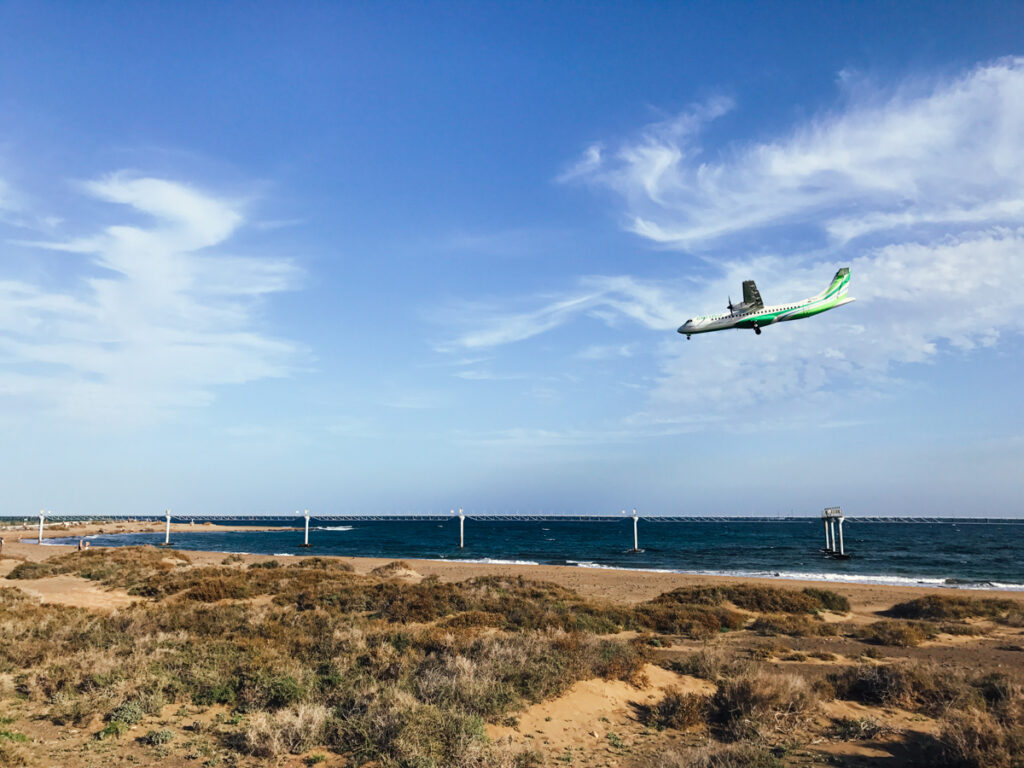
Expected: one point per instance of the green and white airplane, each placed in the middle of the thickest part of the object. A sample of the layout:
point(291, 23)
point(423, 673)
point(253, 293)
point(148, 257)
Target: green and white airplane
point(752, 313)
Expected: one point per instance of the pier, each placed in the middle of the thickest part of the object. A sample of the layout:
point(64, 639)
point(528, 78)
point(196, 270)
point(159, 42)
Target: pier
point(830, 515)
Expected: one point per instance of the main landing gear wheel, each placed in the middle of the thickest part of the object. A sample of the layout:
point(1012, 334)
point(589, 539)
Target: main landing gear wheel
point(757, 329)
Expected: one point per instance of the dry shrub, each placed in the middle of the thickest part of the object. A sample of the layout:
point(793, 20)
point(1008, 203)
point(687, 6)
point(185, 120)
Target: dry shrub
point(11, 754)
point(323, 564)
point(953, 607)
point(233, 586)
point(829, 600)
point(784, 624)
point(710, 663)
point(859, 729)
point(1014, 618)
point(393, 728)
point(390, 569)
point(743, 755)
point(929, 689)
point(763, 651)
point(762, 703)
point(975, 739)
point(473, 619)
point(753, 598)
point(461, 683)
point(963, 629)
point(30, 570)
point(290, 731)
point(696, 621)
point(903, 634)
point(676, 710)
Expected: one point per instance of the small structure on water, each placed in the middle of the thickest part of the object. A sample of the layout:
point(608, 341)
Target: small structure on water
point(830, 515)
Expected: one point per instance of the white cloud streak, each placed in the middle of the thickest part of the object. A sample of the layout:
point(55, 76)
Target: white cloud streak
point(154, 320)
point(921, 155)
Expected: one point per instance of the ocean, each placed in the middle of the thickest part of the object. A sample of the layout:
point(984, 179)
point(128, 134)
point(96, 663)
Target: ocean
point(955, 555)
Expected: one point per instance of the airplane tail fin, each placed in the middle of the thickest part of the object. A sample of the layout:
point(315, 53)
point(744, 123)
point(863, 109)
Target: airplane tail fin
point(838, 287)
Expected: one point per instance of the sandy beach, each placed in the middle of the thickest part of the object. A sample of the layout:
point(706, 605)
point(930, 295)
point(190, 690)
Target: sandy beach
point(620, 586)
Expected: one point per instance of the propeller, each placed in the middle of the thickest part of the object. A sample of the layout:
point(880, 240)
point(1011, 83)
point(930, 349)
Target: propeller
point(730, 304)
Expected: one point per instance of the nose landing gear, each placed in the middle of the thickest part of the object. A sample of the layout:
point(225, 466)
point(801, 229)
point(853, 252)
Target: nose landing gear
point(757, 329)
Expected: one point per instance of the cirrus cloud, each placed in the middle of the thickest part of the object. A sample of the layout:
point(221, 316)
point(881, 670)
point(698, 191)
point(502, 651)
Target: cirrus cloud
point(144, 318)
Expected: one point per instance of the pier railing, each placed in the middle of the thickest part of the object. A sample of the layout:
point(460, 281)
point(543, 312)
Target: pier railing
point(504, 517)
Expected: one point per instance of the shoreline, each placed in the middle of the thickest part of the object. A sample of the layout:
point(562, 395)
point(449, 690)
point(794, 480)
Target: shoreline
point(609, 583)
point(86, 530)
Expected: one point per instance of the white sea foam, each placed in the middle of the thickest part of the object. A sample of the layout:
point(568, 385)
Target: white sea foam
point(283, 554)
point(845, 578)
point(487, 561)
point(333, 528)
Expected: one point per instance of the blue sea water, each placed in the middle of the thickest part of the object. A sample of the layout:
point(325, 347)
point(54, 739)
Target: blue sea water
point(938, 554)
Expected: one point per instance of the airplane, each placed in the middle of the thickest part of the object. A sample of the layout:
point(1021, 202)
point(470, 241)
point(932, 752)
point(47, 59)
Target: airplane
point(752, 313)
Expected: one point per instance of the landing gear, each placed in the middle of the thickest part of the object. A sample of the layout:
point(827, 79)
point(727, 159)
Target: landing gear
point(757, 329)
point(687, 337)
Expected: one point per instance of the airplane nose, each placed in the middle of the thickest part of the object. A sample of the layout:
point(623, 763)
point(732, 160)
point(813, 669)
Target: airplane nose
point(684, 327)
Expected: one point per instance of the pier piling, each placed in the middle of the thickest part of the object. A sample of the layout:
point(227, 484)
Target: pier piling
point(167, 530)
point(462, 526)
point(42, 516)
point(830, 515)
point(305, 540)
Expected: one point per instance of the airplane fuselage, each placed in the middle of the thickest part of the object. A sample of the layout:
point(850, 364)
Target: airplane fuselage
point(756, 318)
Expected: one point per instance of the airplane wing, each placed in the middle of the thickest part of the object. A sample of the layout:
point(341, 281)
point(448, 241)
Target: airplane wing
point(751, 296)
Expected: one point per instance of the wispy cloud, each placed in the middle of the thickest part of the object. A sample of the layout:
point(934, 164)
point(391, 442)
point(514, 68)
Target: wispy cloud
point(920, 155)
point(610, 298)
point(155, 318)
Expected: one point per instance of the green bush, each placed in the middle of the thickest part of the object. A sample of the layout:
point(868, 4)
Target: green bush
point(129, 712)
point(829, 600)
point(953, 607)
point(30, 570)
point(156, 738)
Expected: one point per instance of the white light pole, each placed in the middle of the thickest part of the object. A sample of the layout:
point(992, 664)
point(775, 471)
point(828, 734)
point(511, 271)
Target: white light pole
point(636, 541)
point(42, 515)
point(167, 530)
point(462, 529)
point(305, 542)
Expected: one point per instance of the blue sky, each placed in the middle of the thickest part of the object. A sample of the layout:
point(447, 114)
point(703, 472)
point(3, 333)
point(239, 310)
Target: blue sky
point(403, 257)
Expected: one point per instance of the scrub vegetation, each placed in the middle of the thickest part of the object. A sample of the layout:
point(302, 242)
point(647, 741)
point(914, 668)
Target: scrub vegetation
point(307, 658)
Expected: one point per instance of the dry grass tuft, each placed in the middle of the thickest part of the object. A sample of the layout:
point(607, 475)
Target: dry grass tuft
point(762, 703)
point(290, 731)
